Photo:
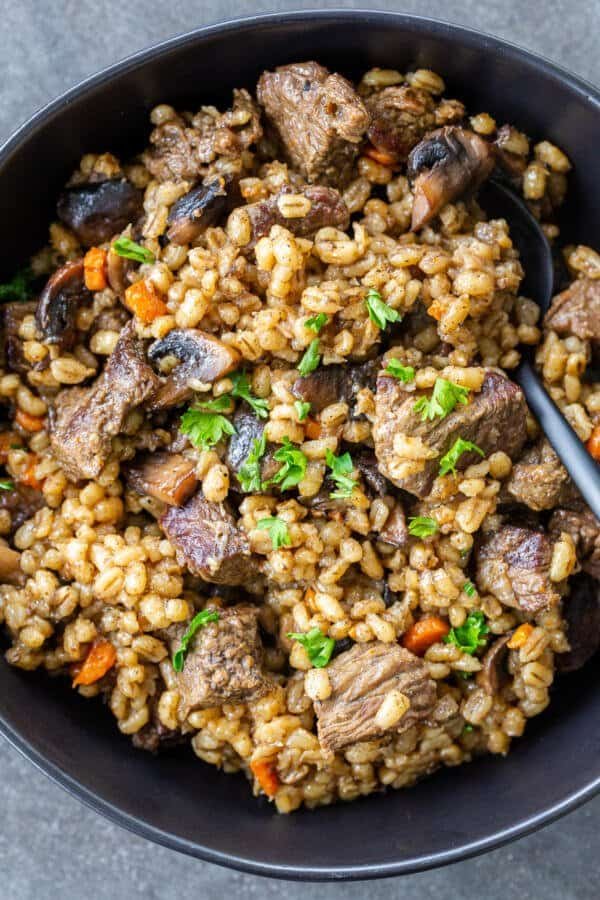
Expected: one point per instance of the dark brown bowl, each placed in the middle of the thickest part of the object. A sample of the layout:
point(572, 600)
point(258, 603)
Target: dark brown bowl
point(176, 799)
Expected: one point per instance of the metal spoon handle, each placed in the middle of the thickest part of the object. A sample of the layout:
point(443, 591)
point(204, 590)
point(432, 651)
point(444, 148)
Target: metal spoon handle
point(577, 461)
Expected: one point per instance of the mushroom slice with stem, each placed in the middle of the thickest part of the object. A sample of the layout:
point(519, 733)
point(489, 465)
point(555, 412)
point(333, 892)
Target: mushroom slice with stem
point(201, 207)
point(63, 294)
point(493, 674)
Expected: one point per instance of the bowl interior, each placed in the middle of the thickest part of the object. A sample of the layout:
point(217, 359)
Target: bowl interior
point(175, 798)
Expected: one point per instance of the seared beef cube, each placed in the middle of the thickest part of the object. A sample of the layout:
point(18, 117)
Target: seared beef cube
point(538, 480)
point(319, 116)
point(577, 310)
point(168, 477)
point(208, 542)
point(581, 610)
point(395, 530)
point(584, 528)
point(361, 679)
point(22, 502)
point(224, 662)
point(335, 384)
point(84, 421)
point(494, 419)
point(97, 210)
point(400, 117)
point(514, 565)
point(13, 315)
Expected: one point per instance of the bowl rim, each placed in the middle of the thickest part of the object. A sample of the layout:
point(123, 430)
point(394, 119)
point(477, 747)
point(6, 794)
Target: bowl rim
point(133, 823)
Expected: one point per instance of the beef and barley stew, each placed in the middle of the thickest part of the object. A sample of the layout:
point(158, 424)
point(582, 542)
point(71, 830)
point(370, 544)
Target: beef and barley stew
point(269, 489)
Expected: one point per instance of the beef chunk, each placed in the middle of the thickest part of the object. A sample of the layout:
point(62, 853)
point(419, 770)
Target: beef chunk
point(538, 480)
point(168, 477)
point(584, 528)
point(335, 384)
point(319, 116)
point(22, 502)
point(494, 419)
point(97, 210)
point(83, 421)
point(581, 610)
point(208, 542)
point(224, 663)
point(327, 208)
point(400, 117)
point(13, 315)
point(361, 678)
point(514, 565)
point(577, 310)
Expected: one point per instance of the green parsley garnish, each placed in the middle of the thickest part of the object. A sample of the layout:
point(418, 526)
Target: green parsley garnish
point(403, 373)
point(302, 408)
point(249, 475)
point(311, 358)
point(316, 323)
point(127, 248)
point(241, 389)
point(6, 485)
point(216, 404)
point(278, 531)
point(19, 287)
point(469, 637)
point(467, 729)
point(444, 398)
point(450, 459)
point(205, 429)
point(422, 526)
point(469, 588)
point(318, 647)
point(379, 312)
point(341, 467)
point(199, 621)
point(293, 466)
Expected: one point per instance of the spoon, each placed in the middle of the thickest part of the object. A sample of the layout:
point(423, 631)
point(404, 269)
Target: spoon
point(499, 201)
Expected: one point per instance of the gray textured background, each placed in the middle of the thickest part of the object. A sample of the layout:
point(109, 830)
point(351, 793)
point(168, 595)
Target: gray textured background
point(51, 846)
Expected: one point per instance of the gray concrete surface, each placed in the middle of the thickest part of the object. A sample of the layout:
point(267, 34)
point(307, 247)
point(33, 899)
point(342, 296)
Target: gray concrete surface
point(51, 846)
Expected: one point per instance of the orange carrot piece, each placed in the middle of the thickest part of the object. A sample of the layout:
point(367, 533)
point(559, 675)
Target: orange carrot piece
point(520, 636)
point(425, 632)
point(435, 310)
point(28, 477)
point(145, 302)
point(266, 775)
point(28, 422)
point(94, 269)
point(593, 444)
point(7, 440)
point(313, 429)
point(101, 657)
point(380, 156)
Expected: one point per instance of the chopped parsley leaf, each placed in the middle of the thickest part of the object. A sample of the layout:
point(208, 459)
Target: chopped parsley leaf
point(128, 249)
point(302, 408)
point(311, 358)
point(216, 404)
point(278, 531)
point(469, 637)
point(316, 323)
point(469, 589)
point(379, 312)
point(317, 645)
point(6, 485)
point(241, 389)
point(19, 287)
point(422, 526)
point(199, 621)
point(341, 468)
point(293, 466)
point(402, 373)
point(467, 729)
point(249, 475)
point(205, 429)
point(449, 460)
point(444, 398)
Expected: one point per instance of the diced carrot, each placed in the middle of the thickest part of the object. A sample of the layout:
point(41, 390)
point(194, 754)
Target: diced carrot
point(8, 439)
point(425, 632)
point(380, 156)
point(593, 444)
point(313, 429)
point(29, 422)
point(28, 477)
point(144, 300)
point(435, 310)
point(266, 775)
point(94, 269)
point(520, 636)
point(101, 657)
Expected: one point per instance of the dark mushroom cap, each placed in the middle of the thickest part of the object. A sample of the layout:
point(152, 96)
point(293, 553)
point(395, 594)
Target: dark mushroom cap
point(97, 210)
point(57, 308)
point(581, 610)
point(199, 209)
point(117, 269)
point(493, 675)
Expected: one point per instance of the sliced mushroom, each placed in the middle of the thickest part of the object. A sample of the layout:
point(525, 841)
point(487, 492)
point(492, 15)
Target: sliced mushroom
point(64, 293)
point(117, 270)
point(581, 610)
point(10, 566)
point(202, 358)
point(168, 477)
point(97, 210)
point(200, 208)
point(443, 166)
point(493, 676)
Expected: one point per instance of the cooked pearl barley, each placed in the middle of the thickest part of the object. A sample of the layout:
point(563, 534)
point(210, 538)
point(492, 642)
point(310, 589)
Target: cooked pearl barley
point(395, 705)
point(317, 684)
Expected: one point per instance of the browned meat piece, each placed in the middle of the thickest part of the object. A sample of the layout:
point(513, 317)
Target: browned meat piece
point(577, 310)
point(13, 315)
point(514, 565)
point(181, 152)
point(155, 737)
point(581, 610)
point(327, 208)
point(202, 356)
point(584, 528)
point(201, 208)
point(22, 502)
point(394, 530)
point(319, 116)
point(335, 384)
point(59, 302)
point(494, 419)
point(400, 117)
point(361, 678)
point(83, 421)
point(97, 210)
point(168, 477)
point(208, 542)
point(539, 480)
point(443, 166)
point(494, 675)
point(224, 663)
